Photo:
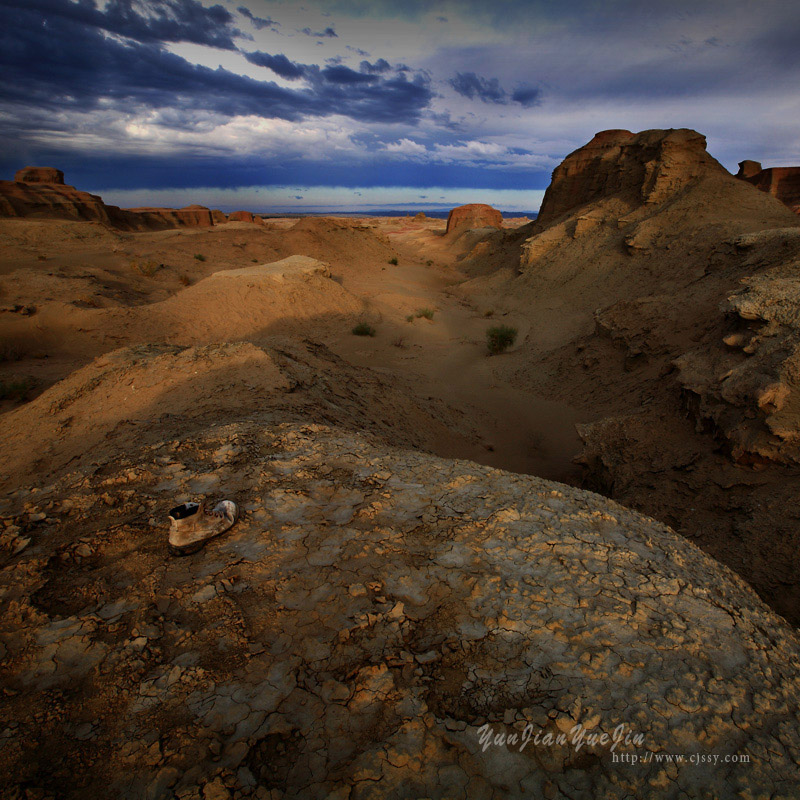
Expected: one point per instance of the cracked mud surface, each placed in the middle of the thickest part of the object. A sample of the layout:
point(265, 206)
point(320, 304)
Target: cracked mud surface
point(372, 609)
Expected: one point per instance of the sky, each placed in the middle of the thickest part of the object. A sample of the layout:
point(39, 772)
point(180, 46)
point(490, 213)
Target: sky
point(335, 105)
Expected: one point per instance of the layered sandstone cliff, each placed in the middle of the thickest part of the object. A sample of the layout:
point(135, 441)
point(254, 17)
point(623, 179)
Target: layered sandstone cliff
point(40, 193)
point(780, 182)
point(637, 167)
point(473, 215)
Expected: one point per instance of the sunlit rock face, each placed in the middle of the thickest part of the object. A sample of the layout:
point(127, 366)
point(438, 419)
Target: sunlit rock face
point(39, 175)
point(473, 215)
point(643, 167)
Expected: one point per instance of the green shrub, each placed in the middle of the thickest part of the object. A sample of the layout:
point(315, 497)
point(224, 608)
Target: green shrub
point(429, 263)
point(364, 329)
point(393, 261)
point(410, 318)
point(425, 312)
point(199, 257)
point(500, 338)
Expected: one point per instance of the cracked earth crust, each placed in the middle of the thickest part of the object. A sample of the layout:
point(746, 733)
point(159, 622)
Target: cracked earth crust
point(371, 610)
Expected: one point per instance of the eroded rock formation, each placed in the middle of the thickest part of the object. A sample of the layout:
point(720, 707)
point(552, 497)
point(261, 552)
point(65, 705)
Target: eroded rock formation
point(661, 296)
point(189, 217)
point(473, 215)
point(780, 182)
point(638, 167)
point(240, 216)
point(39, 175)
point(40, 192)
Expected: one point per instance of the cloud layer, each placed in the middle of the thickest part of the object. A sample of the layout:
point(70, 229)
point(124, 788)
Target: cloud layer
point(412, 94)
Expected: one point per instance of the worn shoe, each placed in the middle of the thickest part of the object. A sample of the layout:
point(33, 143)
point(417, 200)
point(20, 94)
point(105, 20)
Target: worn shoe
point(191, 526)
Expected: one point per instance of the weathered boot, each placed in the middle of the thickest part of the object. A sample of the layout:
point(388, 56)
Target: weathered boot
point(191, 526)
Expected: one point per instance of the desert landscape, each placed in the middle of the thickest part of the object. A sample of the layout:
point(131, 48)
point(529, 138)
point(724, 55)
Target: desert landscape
point(359, 504)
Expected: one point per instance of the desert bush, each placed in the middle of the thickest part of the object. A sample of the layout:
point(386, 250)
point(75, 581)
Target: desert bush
point(410, 318)
point(364, 329)
point(400, 342)
point(488, 313)
point(429, 263)
point(425, 312)
point(199, 257)
point(185, 279)
point(393, 261)
point(500, 338)
point(15, 390)
point(147, 268)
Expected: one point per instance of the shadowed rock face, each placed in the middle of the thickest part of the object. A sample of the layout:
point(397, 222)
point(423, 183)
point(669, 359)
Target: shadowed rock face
point(678, 286)
point(780, 182)
point(473, 215)
point(643, 167)
point(39, 175)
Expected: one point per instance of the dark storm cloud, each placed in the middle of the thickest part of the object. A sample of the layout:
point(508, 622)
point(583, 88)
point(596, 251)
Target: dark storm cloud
point(279, 64)
point(473, 86)
point(527, 96)
point(63, 62)
point(489, 90)
point(381, 65)
point(166, 20)
point(258, 22)
point(328, 33)
point(345, 75)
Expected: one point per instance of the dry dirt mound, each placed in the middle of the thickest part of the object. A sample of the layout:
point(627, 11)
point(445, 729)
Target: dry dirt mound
point(243, 303)
point(150, 392)
point(340, 241)
point(370, 618)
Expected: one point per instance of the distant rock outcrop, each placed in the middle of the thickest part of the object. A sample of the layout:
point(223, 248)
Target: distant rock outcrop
point(780, 182)
point(642, 167)
point(241, 216)
point(189, 217)
point(40, 192)
point(50, 199)
point(40, 175)
point(473, 215)
point(420, 216)
point(218, 216)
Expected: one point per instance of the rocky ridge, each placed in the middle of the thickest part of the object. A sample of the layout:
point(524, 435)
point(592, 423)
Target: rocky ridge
point(40, 193)
point(661, 294)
